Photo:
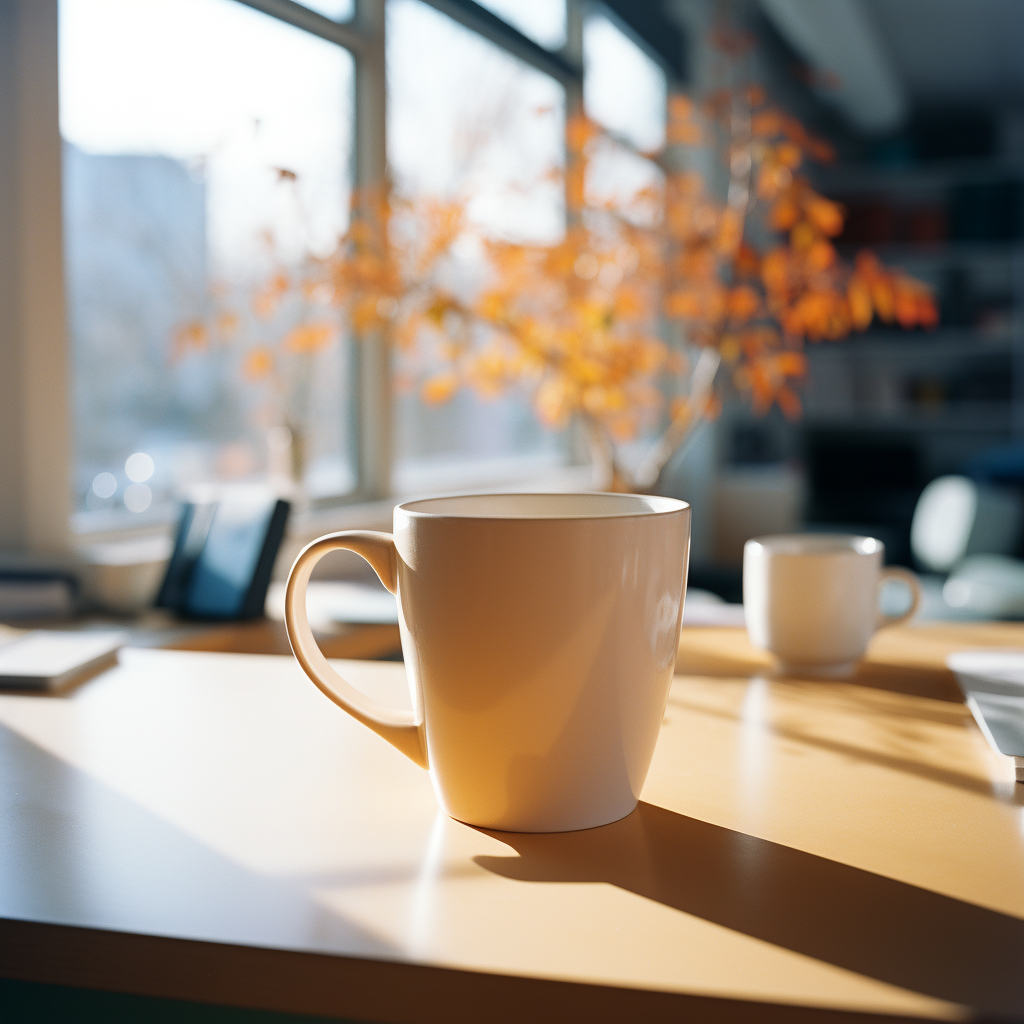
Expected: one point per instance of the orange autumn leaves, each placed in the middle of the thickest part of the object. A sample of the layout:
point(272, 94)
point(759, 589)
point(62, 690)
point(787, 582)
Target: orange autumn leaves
point(759, 305)
point(582, 321)
point(574, 322)
point(283, 296)
point(597, 325)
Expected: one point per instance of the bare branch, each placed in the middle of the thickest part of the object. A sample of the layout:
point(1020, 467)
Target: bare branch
point(701, 385)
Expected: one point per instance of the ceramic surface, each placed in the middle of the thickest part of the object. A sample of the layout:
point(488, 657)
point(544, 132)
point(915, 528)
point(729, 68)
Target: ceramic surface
point(812, 600)
point(540, 635)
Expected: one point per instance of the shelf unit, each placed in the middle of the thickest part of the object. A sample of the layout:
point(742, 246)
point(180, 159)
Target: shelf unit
point(959, 379)
point(959, 226)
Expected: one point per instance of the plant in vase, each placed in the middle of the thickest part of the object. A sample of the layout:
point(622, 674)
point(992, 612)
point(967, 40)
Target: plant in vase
point(655, 305)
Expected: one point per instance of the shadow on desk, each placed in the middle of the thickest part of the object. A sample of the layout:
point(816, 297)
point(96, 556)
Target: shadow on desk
point(842, 915)
point(162, 877)
point(155, 869)
point(907, 659)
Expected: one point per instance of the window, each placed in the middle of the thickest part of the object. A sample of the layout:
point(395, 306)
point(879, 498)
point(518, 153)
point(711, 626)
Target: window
point(543, 21)
point(623, 89)
point(197, 132)
point(336, 10)
point(183, 123)
point(466, 118)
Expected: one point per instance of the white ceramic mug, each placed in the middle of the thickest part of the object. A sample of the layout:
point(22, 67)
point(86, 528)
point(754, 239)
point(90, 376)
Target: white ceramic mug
point(812, 599)
point(540, 635)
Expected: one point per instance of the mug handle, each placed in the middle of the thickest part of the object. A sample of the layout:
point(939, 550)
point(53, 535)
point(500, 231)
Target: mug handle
point(397, 727)
point(906, 577)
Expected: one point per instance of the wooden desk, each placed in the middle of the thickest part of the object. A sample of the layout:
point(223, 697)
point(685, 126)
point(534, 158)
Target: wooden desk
point(208, 827)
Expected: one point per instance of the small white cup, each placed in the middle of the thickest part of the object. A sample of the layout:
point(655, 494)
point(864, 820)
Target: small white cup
point(812, 599)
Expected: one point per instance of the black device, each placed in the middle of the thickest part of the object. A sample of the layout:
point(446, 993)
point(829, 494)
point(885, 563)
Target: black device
point(223, 557)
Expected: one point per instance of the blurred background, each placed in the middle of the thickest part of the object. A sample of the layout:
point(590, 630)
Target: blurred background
point(178, 117)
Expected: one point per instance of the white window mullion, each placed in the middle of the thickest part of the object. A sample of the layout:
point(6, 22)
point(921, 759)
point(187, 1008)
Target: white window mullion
point(372, 355)
point(35, 417)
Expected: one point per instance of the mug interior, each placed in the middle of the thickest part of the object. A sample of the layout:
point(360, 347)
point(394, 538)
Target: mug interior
point(542, 506)
point(814, 544)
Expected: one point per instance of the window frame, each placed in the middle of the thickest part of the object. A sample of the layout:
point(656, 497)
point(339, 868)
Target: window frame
point(365, 38)
point(35, 513)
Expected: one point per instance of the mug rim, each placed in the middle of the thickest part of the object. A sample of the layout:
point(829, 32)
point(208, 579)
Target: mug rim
point(799, 544)
point(661, 506)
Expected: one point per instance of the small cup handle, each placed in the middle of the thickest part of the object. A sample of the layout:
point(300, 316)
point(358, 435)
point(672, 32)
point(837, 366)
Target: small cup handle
point(906, 577)
point(398, 727)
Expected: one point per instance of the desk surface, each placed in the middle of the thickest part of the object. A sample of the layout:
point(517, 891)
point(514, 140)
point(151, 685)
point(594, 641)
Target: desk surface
point(157, 628)
point(209, 827)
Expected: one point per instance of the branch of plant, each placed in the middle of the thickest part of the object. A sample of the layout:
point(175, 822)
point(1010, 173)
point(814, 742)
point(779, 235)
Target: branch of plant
point(681, 428)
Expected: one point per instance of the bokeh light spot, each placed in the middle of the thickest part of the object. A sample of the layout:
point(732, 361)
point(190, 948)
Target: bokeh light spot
point(139, 467)
point(137, 497)
point(104, 485)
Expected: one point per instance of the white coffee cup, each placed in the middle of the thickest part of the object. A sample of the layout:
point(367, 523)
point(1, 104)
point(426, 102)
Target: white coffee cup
point(812, 599)
point(540, 635)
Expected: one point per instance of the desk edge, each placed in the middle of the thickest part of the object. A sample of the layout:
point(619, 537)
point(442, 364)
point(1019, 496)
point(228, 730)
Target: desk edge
point(289, 981)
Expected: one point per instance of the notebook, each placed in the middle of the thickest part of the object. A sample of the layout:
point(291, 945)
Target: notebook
point(992, 683)
point(48, 660)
